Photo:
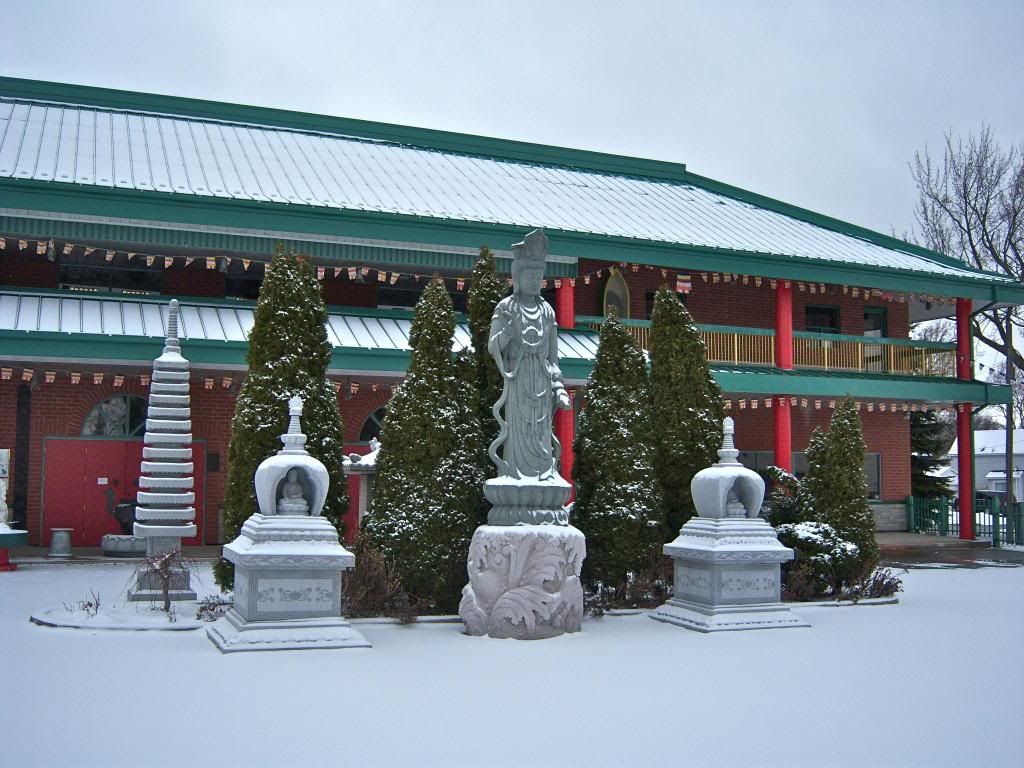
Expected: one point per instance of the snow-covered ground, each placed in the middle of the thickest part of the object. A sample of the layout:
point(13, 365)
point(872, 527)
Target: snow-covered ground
point(933, 681)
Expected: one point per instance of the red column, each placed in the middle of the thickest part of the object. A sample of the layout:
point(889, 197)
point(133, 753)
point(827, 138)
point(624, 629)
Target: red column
point(964, 431)
point(783, 426)
point(565, 431)
point(783, 434)
point(784, 325)
point(565, 303)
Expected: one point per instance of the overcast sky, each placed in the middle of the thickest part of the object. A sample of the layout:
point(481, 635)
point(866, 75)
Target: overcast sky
point(818, 104)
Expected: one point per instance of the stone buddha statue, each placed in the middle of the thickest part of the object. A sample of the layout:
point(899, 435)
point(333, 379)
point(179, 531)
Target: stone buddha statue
point(293, 500)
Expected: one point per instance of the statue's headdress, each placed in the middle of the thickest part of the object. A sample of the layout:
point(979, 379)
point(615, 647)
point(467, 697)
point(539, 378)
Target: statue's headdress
point(533, 251)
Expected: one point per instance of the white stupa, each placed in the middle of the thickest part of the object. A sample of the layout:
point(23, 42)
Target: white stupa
point(166, 501)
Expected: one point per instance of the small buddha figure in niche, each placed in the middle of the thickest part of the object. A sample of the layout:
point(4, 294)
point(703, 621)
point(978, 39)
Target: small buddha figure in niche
point(292, 501)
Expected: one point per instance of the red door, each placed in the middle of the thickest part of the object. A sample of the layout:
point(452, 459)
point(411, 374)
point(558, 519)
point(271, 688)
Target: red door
point(83, 479)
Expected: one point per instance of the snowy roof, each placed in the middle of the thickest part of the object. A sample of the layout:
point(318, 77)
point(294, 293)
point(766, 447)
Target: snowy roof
point(188, 156)
point(992, 442)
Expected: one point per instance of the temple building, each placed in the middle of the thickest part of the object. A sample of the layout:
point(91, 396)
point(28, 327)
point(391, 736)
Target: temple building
point(113, 202)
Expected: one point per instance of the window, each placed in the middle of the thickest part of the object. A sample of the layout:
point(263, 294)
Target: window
point(407, 291)
point(616, 294)
point(759, 461)
point(242, 283)
point(819, 319)
point(875, 322)
point(120, 416)
point(372, 426)
point(121, 273)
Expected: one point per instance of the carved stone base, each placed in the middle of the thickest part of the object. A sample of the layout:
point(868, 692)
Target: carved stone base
point(729, 617)
point(524, 581)
point(232, 633)
point(527, 501)
point(288, 586)
point(727, 577)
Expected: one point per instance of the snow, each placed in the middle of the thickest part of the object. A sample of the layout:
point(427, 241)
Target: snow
point(625, 691)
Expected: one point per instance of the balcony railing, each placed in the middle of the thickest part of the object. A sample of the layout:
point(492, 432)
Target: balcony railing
point(756, 346)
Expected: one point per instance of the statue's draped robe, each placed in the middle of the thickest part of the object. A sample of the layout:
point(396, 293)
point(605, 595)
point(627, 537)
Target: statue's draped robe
point(524, 343)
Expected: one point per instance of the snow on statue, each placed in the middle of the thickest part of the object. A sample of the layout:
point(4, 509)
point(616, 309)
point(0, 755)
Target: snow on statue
point(524, 565)
point(524, 344)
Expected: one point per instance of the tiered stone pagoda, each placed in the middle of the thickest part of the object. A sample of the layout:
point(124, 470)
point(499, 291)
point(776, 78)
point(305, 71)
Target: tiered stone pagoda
point(166, 513)
point(524, 565)
point(727, 558)
point(288, 560)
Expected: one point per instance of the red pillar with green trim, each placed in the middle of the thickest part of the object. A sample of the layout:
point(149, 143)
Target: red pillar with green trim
point(964, 432)
point(782, 423)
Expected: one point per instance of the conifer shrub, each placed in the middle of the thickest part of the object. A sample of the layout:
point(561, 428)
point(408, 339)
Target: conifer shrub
point(617, 501)
point(485, 291)
point(289, 354)
point(834, 485)
point(426, 500)
point(374, 588)
point(686, 404)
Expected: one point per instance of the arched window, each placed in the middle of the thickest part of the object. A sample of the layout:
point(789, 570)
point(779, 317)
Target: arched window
point(119, 416)
point(372, 426)
point(616, 294)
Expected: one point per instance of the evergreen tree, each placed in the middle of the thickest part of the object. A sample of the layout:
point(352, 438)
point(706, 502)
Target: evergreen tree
point(426, 499)
point(288, 355)
point(834, 484)
point(485, 291)
point(686, 404)
point(617, 504)
point(927, 445)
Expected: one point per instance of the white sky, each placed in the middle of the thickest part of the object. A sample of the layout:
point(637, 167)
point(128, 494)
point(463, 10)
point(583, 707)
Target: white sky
point(818, 104)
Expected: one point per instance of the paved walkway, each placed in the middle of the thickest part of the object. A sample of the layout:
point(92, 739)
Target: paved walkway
point(916, 550)
point(900, 550)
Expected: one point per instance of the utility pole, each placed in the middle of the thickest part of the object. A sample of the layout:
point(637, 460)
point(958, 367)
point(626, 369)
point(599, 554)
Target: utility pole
point(1009, 498)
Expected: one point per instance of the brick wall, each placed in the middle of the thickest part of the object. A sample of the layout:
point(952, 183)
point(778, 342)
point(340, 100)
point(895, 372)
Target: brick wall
point(342, 292)
point(27, 270)
point(193, 280)
point(885, 433)
point(732, 303)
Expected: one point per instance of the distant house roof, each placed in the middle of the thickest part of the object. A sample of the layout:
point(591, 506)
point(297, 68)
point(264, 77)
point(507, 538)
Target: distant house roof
point(74, 140)
point(992, 442)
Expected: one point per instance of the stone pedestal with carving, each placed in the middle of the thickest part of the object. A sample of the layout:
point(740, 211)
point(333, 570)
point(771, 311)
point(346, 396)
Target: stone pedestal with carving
point(288, 561)
point(727, 559)
point(524, 581)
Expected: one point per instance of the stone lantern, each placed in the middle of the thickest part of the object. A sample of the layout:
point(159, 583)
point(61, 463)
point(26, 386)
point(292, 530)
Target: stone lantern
point(727, 573)
point(288, 560)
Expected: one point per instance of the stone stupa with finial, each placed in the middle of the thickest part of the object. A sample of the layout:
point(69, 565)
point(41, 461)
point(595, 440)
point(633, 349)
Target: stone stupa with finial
point(165, 511)
point(288, 560)
point(727, 559)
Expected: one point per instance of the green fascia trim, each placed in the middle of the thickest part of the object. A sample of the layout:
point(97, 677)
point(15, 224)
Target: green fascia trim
point(447, 141)
point(772, 381)
point(328, 254)
point(49, 197)
point(879, 340)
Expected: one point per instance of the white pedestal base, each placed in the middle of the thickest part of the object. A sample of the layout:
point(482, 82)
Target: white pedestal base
point(232, 633)
point(524, 581)
point(723, 618)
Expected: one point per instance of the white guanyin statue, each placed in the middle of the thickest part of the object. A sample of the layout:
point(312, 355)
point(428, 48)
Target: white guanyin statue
point(524, 565)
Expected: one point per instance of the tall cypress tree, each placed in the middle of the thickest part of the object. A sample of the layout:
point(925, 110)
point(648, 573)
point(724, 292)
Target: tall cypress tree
point(426, 498)
point(288, 355)
point(927, 445)
point(834, 484)
point(485, 291)
point(686, 404)
point(617, 504)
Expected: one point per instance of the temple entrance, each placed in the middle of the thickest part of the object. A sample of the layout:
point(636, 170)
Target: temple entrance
point(84, 479)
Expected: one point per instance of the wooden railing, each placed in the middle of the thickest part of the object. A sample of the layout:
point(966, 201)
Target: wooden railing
point(756, 346)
